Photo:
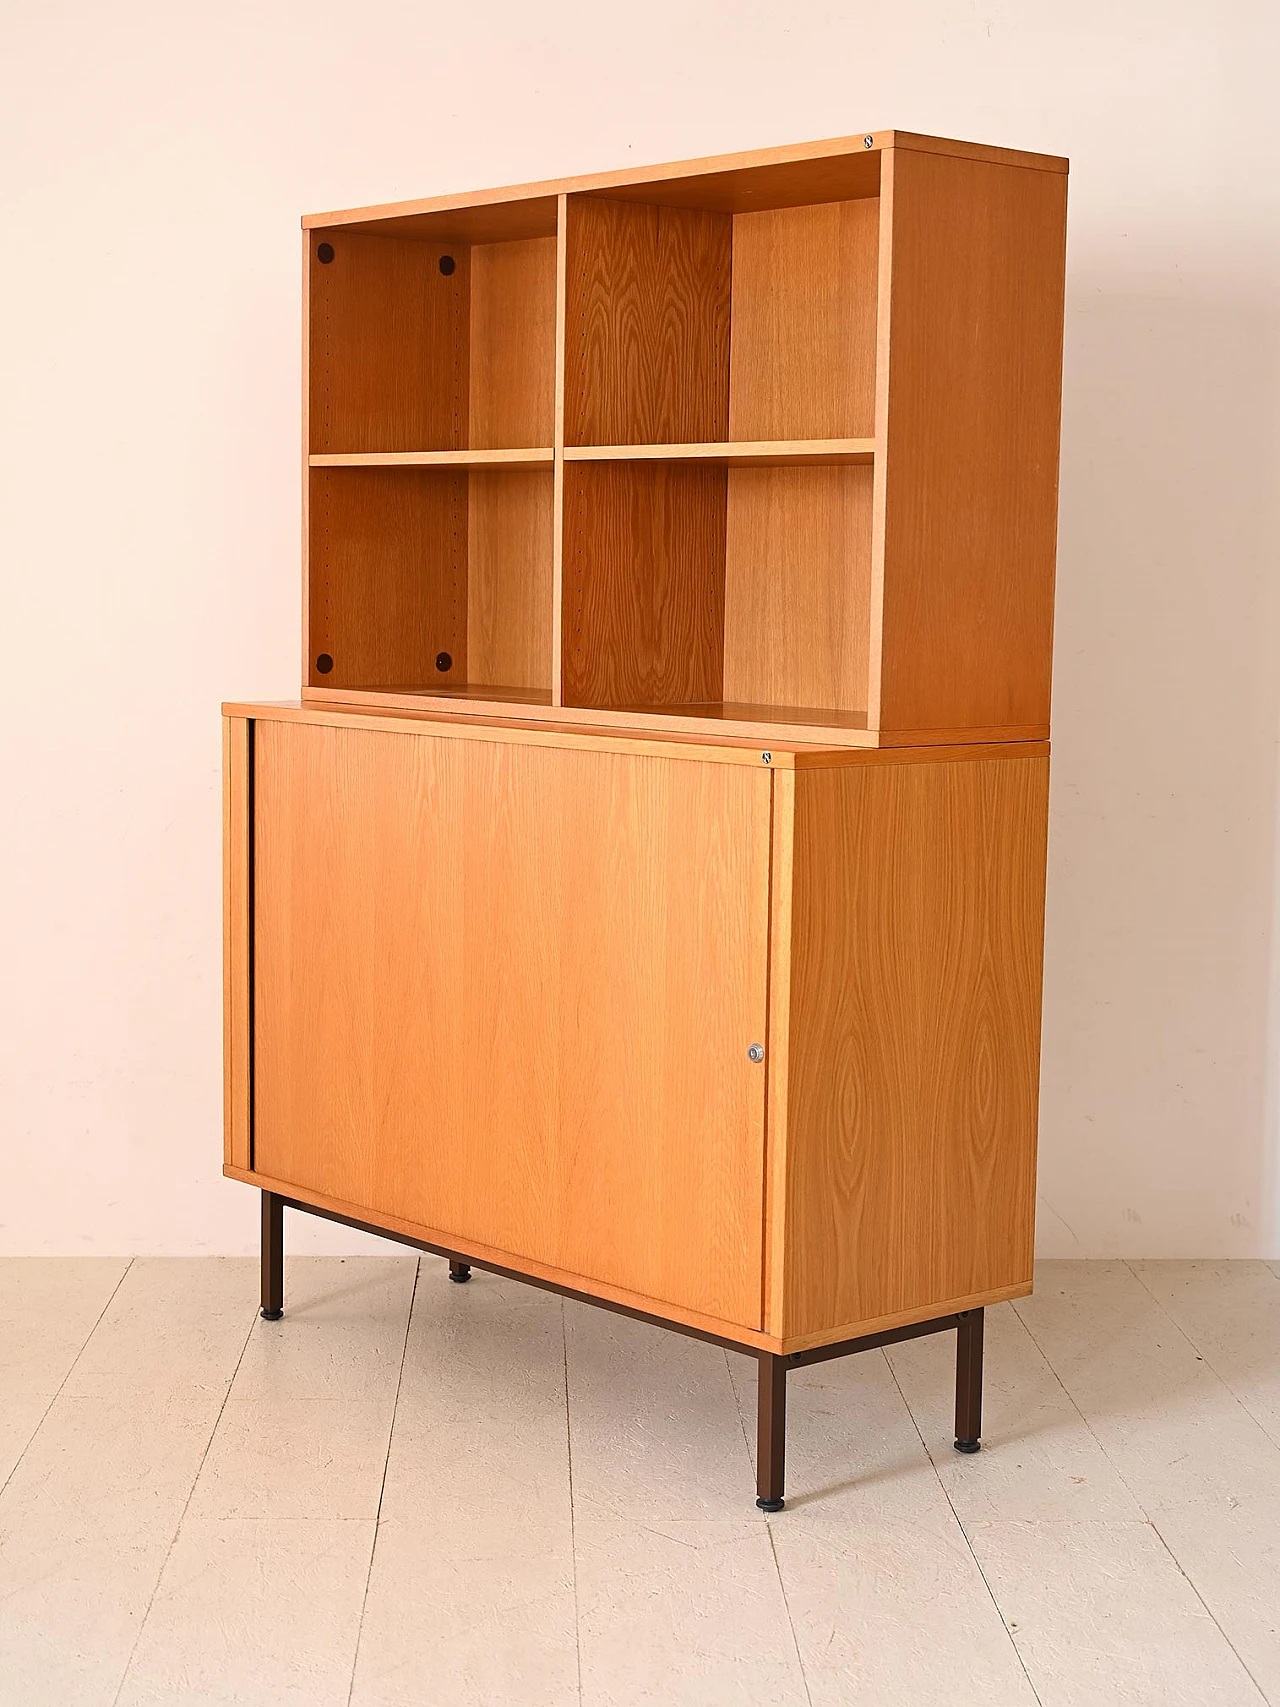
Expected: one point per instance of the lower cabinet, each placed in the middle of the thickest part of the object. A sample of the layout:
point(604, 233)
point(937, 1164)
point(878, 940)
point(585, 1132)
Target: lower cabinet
point(753, 1045)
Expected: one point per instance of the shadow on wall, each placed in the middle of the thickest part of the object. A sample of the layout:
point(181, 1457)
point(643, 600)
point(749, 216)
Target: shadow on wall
point(1162, 878)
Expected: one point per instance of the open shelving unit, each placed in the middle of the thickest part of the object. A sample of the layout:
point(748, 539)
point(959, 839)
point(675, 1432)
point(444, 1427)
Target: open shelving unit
point(762, 442)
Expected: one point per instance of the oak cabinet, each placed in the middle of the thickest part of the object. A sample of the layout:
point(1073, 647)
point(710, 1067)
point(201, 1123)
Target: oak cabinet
point(752, 1044)
point(645, 897)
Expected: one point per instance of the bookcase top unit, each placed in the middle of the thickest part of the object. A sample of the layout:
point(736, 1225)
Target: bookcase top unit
point(759, 444)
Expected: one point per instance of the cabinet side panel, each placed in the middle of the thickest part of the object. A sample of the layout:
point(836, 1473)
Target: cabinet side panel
point(509, 578)
point(646, 323)
point(917, 943)
point(507, 991)
point(971, 460)
point(798, 587)
point(237, 738)
point(803, 346)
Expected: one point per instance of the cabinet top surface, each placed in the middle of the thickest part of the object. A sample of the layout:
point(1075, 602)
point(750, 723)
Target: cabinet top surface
point(779, 755)
point(724, 177)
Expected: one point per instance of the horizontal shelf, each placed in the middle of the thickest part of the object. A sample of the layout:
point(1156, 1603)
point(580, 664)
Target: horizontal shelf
point(541, 457)
point(765, 453)
point(762, 453)
point(478, 693)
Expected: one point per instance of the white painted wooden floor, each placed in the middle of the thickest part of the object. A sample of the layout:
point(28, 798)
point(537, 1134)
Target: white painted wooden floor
point(416, 1493)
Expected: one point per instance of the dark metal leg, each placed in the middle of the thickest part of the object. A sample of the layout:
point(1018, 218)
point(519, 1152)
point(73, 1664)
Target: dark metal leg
point(969, 1381)
point(459, 1271)
point(272, 1256)
point(771, 1430)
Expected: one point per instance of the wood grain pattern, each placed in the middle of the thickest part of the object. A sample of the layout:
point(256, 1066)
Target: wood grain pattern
point(512, 356)
point(643, 584)
point(861, 1325)
point(388, 360)
point(237, 736)
point(388, 574)
point(769, 453)
point(832, 169)
point(507, 990)
point(798, 588)
point(646, 323)
point(803, 347)
point(916, 950)
point(971, 457)
point(509, 605)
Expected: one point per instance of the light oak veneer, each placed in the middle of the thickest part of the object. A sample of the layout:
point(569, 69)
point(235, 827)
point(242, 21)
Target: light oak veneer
point(505, 979)
point(647, 893)
point(888, 306)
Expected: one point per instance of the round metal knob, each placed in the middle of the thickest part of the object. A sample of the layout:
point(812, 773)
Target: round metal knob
point(756, 1052)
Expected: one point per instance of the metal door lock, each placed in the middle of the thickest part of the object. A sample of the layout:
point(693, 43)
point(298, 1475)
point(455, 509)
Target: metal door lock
point(756, 1052)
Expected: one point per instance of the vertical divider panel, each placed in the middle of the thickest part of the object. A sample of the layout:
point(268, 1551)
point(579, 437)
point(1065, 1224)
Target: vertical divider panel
point(557, 502)
point(508, 579)
point(798, 540)
point(803, 337)
point(511, 360)
point(884, 283)
point(510, 530)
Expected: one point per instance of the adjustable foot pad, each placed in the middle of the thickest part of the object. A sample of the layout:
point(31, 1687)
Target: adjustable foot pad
point(461, 1273)
point(771, 1505)
point(271, 1315)
point(968, 1445)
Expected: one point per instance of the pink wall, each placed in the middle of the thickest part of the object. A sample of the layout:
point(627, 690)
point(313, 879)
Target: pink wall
point(157, 158)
